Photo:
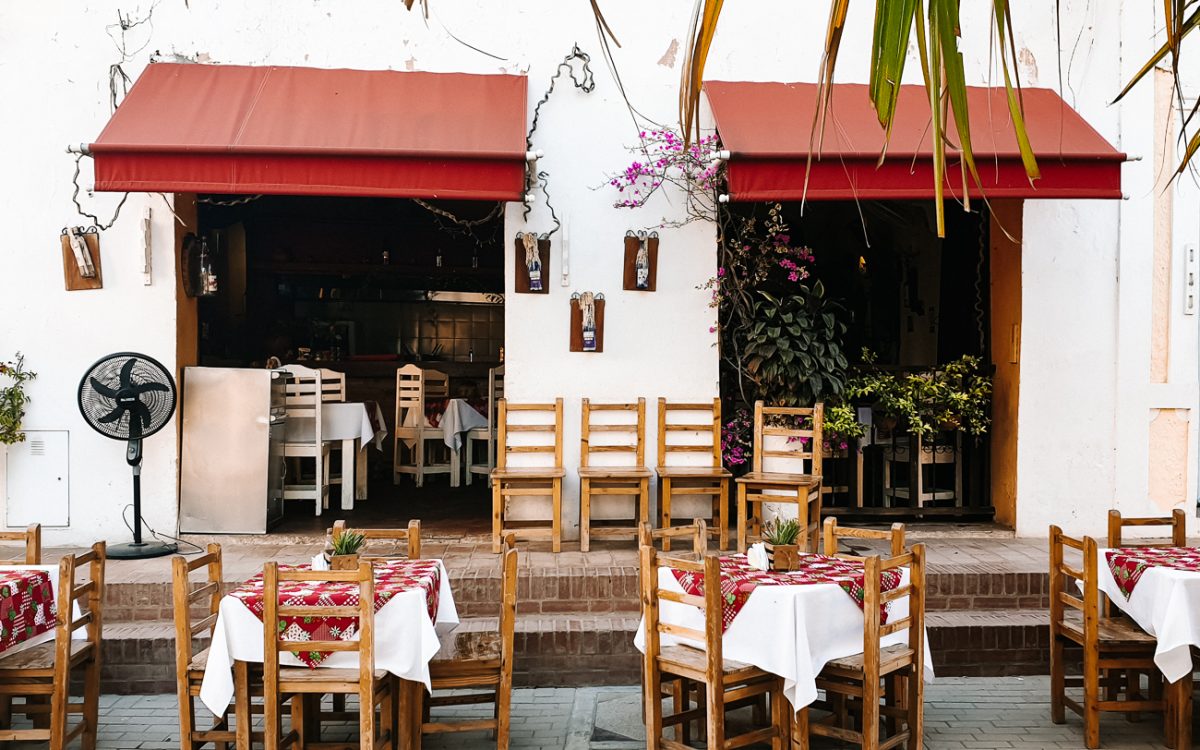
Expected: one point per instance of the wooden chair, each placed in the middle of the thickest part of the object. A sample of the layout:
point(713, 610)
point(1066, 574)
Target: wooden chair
point(631, 479)
point(42, 674)
point(411, 445)
point(375, 688)
point(489, 667)
point(893, 674)
point(31, 538)
point(676, 476)
point(894, 536)
point(486, 435)
point(527, 481)
point(1111, 645)
point(303, 397)
point(723, 683)
point(333, 385)
point(697, 531)
point(410, 538)
point(784, 442)
point(190, 664)
point(1176, 522)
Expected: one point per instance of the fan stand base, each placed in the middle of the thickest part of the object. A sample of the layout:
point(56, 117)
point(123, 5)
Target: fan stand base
point(140, 550)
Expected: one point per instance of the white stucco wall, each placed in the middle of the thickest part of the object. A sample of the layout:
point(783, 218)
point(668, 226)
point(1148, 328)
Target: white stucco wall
point(1084, 393)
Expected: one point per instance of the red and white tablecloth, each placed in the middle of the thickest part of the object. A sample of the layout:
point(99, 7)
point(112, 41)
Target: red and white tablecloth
point(27, 607)
point(1159, 588)
point(789, 624)
point(413, 605)
point(453, 416)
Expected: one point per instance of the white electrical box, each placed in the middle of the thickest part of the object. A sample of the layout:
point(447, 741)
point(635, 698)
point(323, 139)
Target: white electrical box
point(37, 480)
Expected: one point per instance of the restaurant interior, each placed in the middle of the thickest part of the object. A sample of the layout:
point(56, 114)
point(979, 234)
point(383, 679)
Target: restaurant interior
point(362, 287)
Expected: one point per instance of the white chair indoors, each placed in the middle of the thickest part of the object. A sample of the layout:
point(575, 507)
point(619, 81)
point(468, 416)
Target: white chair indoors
point(302, 402)
point(413, 452)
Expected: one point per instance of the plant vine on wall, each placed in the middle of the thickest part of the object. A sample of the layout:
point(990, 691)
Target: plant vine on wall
point(13, 377)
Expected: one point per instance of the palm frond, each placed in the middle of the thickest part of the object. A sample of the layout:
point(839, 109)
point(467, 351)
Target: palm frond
point(702, 29)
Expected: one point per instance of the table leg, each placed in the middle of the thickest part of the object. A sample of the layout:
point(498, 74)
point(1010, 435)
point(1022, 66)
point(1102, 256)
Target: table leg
point(1179, 699)
point(348, 460)
point(360, 472)
point(241, 704)
point(455, 467)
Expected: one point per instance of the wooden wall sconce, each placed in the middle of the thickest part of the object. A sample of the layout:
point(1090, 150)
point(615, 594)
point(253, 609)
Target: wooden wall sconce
point(587, 322)
point(641, 261)
point(531, 259)
point(81, 258)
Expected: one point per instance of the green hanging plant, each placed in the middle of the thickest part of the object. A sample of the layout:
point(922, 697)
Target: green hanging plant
point(13, 377)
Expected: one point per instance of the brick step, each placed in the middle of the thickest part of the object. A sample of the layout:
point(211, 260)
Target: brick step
point(567, 650)
point(612, 590)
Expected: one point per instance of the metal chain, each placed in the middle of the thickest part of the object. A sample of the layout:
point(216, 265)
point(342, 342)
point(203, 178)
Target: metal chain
point(466, 223)
point(231, 202)
point(79, 208)
point(586, 84)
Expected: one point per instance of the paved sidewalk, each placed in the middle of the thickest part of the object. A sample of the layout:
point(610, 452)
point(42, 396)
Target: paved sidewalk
point(961, 713)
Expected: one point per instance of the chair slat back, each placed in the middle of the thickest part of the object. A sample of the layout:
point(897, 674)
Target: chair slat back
point(302, 400)
point(333, 385)
point(88, 597)
point(275, 641)
point(409, 538)
point(185, 596)
point(1067, 581)
point(699, 422)
point(507, 428)
point(833, 532)
point(630, 431)
point(495, 393)
point(1176, 522)
point(801, 430)
point(697, 531)
point(711, 603)
point(31, 540)
point(875, 599)
point(415, 386)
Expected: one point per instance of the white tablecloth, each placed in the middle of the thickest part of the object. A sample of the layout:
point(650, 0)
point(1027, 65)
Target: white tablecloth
point(790, 631)
point(459, 418)
point(405, 641)
point(342, 420)
point(1166, 604)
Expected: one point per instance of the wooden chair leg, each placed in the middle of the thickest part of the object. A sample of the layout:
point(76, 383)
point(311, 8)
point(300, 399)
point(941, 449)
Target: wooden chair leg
point(1091, 696)
point(742, 520)
point(916, 707)
point(241, 706)
point(503, 709)
point(585, 514)
point(802, 517)
point(187, 714)
point(300, 720)
point(556, 518)
point(664, 510)
point(643, 503)
point(714, 715)
point(1058, 682)
point(366, 716)
point(780, 717)
point(497, 515)
point(870, 713)
point(1181, 699)
point(723, 517)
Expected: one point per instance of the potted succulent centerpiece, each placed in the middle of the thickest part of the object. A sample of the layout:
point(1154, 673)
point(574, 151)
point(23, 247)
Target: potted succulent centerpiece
point(780, 536)
point(345, 550)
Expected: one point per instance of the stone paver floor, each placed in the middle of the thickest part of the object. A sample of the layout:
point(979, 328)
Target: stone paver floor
point(961, 713)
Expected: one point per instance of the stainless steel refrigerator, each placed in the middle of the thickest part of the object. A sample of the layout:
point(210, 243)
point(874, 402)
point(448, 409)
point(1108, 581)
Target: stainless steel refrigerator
point(232, 473)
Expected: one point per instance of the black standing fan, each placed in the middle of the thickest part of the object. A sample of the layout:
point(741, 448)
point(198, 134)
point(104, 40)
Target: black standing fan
point(128, 396)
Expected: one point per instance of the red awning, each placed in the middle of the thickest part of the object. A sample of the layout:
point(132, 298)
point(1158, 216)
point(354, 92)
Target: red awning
point(310, 131)
point(766, 127)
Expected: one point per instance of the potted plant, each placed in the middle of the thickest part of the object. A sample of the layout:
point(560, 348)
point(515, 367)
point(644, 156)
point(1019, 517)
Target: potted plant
point(345, 550)
point(13, 377)
point(779, 538)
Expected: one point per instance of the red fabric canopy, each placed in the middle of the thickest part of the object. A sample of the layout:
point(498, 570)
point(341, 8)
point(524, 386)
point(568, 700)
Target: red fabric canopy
point(766, 127)
point(310, 131)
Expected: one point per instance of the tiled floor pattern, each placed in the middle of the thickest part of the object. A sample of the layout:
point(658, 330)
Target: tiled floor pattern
point(961, 713)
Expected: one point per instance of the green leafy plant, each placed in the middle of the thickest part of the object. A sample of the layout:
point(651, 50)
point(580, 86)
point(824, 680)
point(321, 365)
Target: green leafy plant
point(781, 531)
point(349, 542)
point(841, 425)
point(793, 349)
point(954, 396)
point(13, 399)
